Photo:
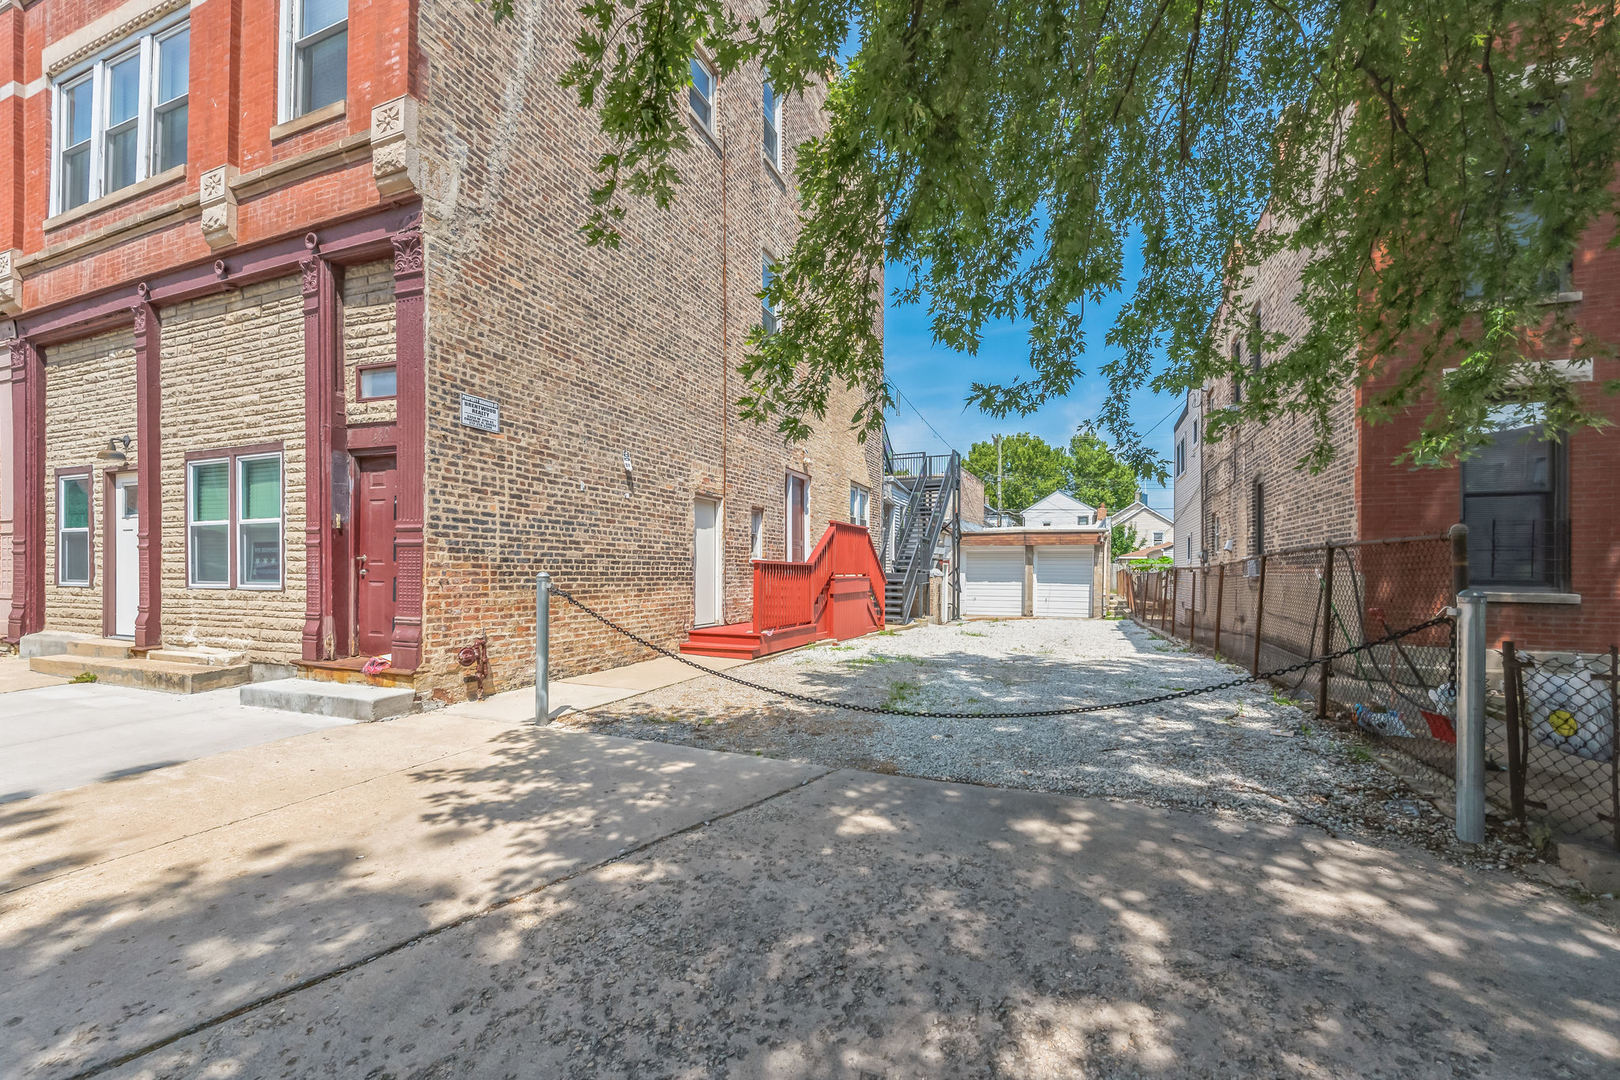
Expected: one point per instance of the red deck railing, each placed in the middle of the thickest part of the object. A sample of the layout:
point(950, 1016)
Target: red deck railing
point(795, 593)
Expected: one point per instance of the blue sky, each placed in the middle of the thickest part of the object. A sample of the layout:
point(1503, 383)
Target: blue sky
point(935, 380)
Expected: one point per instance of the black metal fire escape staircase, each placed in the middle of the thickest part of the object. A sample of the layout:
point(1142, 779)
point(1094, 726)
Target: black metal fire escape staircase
point(931, 484)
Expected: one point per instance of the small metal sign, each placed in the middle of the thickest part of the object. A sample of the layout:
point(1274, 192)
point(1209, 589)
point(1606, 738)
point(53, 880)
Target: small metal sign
point(481, 414)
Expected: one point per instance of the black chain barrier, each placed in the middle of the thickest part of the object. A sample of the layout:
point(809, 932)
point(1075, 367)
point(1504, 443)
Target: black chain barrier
point(1073, 710)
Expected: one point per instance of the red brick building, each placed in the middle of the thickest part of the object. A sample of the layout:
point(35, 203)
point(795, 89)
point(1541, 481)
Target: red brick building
point(308, 362)
point(1543, 517)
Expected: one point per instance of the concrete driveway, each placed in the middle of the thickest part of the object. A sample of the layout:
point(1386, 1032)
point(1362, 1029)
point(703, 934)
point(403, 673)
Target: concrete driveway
point(455, 896)
point(66, 735)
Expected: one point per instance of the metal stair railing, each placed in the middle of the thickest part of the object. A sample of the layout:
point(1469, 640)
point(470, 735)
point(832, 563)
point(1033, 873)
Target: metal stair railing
point(940, 499)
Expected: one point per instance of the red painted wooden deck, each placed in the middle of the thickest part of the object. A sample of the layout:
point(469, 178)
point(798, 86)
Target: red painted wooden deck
point(836, 593)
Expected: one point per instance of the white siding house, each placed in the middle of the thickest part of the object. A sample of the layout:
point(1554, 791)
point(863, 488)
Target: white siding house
point(1059, 511)
point(1152, 528)
point(1187, 476)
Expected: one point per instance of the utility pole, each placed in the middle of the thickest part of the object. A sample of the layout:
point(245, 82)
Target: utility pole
point(1001, 507)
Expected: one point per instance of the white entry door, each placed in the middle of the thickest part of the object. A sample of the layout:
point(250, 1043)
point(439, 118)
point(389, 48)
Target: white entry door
point(706, 562)
point(126, 554)
point(993, 581)
point(1063, 582)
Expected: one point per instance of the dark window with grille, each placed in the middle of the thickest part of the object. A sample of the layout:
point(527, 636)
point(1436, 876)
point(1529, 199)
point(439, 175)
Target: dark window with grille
point(1257, 515)
point(1237, 372)
point(1513, 499)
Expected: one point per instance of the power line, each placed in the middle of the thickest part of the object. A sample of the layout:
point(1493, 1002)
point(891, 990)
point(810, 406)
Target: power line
point(921, 417)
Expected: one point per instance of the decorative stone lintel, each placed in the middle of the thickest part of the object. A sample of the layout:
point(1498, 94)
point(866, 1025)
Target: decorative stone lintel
point(10, 282)
point(395, 162)
point(218, 203)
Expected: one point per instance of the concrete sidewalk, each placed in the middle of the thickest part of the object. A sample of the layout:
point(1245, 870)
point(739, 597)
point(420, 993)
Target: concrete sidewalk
point(452, 896)
point(598, 688)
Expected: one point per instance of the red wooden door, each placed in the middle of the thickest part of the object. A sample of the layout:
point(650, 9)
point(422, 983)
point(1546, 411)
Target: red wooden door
point(375, 577)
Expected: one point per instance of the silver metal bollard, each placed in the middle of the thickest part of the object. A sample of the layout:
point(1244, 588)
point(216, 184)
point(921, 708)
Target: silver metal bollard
point(1471, 716)
point(542, 648)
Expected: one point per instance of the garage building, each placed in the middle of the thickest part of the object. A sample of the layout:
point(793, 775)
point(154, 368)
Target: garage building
point(1043, 573)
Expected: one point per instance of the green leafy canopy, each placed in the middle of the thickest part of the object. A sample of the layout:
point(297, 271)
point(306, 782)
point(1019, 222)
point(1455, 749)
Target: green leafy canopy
point(1430, 162)
point(1032, 468)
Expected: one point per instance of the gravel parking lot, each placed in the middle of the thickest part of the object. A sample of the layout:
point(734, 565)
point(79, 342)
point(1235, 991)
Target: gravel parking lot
point(1245, 751)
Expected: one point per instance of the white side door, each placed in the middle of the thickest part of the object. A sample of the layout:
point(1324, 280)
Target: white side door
point(126, 554)
point(993, 581)
point(1063, 582)
point(706, 562)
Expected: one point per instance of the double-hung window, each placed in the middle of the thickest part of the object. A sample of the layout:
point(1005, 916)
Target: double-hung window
point(700, 95)
point(767, 310)
point(860, 505)
point(235, 534)
point(73, 530)
point(314, 55)
point(1513, 502)
point(122, 118)
point(773, 126)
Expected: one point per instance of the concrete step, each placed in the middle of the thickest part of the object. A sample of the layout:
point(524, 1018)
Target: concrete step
point(99, 648)
point(145, 674)
point(58, 643)
point(201, 657)
point(347, 700)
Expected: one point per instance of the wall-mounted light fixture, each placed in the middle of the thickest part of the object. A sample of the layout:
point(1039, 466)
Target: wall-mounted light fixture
point(117, 449)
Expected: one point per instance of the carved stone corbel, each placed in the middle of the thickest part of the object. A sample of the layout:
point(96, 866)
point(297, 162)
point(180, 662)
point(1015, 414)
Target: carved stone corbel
point(395, 162)
point(218, 203)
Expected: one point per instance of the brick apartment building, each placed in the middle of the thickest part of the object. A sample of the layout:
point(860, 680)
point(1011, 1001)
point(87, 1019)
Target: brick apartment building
point(308, 361)
point(1543, 517)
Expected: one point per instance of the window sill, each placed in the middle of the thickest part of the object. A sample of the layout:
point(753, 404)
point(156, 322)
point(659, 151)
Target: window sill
point(709, 133)
point(774, 168)
point(122, 195)
point(1529, 596)
point(309, 120)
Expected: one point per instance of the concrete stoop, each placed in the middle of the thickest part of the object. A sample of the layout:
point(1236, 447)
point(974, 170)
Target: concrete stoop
point(349, 701)
point(172, 671)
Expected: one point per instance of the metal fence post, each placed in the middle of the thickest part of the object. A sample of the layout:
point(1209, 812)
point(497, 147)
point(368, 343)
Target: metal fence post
point(1175, 587)
point(1326, 672)
point(1471, 716)
point(1510, 692)
point(542, 648)
point(1259, 616)
point(1614, 741)
point(1459, 557)
point(1220, 594)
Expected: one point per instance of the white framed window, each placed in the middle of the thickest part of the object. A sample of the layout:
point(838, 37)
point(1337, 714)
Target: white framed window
point(772, 109)
point(314, 55)
point(860, 505)
point(73, 530)
point(121, 117)
point(208, 524)
point(756, 534)
point(700, 94)
point(767, 310)
point(258, 522)
point(1158, 536)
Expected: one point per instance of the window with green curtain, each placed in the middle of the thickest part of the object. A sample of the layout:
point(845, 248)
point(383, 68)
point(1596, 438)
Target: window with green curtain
point(73, 531)
point(76, 503)
point(261, 489)
point(208, 530)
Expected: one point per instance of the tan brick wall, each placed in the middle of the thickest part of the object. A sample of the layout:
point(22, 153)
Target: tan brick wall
point(233, 375)
point(368, 335)
point(972, 498)
point(89, 399)
point(592, 353)
point(1300, 508)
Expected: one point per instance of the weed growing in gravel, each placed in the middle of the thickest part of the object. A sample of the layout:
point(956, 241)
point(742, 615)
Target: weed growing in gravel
point(974, 633)
point(900, 693)
point(868, 661)
point(1359, 754)
point(1280, 698)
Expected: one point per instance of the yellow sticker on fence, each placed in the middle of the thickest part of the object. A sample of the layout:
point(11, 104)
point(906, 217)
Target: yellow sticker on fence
point(1563, 722)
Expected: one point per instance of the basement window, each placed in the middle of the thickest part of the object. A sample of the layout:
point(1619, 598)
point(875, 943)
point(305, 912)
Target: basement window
point(314, 55)
point(121, 118)
point(73, 530)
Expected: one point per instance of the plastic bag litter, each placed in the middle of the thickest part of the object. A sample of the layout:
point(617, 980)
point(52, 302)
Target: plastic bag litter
point(1570, 711)
point(1386, 722)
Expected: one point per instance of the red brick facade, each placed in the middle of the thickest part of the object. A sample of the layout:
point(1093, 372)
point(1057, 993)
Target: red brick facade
point(1365, 495)
point(430, 218)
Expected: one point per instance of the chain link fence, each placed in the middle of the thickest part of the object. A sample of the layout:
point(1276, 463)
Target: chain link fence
point(1560, 766)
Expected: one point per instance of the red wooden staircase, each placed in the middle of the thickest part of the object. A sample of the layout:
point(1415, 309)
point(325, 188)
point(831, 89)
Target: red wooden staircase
point(836, 593)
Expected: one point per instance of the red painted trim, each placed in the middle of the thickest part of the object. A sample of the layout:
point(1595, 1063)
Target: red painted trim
point(149, 473)
point(360, 239)
point(410, 356)
point(363, 437)
point(73, 473)
point(229, 455)
point(323, 412)
point(28, 486)
point(361, 395)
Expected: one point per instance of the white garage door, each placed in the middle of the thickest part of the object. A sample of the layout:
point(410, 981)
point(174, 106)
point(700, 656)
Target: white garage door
point(1063, 582)
point(993, 581)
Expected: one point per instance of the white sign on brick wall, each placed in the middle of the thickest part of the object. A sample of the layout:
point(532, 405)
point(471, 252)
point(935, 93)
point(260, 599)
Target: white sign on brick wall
point(481, 414)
